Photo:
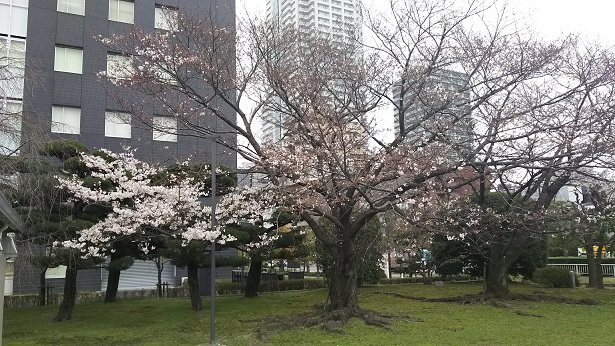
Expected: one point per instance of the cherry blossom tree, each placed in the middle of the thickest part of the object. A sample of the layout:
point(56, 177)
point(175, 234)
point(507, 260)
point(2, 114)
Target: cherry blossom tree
point(142, 212)
point(261, 228)
point(334, 165)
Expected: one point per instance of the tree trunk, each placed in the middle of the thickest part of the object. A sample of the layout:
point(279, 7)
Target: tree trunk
point(254, 277)
point(591, 266)
point(496, 282)
point(343, 280)
point(193, 285)
point(42, 290)
point(113, 282)
point(159, 268)
point(70, 292)
point(598, 265)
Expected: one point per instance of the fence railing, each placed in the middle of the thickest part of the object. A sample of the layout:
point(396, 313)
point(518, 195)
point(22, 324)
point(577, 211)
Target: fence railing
point(607, 269)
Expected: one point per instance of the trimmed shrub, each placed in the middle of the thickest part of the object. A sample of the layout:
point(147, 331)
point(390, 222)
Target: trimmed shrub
point(554, 277)
point(576, 260)
point(227, 287)
point(419, 280)
point(63, 149)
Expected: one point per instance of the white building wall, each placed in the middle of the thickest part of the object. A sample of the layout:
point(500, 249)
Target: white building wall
point(142, 274)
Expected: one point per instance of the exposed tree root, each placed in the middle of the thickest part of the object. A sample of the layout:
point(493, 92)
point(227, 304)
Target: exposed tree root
point(332, 321)
point(480, 298)
point(503, 301)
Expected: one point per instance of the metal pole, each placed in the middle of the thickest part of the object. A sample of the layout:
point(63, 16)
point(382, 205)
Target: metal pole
point(212, 293)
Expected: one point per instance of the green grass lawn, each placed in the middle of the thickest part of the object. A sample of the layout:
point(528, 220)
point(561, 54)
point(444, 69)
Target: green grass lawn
point(171, 322)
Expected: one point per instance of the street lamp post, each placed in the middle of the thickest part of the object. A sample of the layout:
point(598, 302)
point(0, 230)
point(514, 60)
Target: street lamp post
point(212, 293)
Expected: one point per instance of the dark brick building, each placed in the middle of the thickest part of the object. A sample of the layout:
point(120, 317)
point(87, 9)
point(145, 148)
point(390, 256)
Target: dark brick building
point(61, 94)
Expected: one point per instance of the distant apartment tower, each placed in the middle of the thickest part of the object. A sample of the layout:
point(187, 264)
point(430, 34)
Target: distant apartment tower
point(434, 103)
point(336, 20)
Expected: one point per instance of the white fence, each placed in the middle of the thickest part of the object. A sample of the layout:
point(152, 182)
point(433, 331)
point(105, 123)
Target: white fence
point(607, 269)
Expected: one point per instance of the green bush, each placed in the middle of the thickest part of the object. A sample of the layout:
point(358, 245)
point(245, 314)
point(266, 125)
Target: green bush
point(554, 277)
point(227, 287)
point(576, 260)
point(452, 266)
point(63, 149)
point(419, 280)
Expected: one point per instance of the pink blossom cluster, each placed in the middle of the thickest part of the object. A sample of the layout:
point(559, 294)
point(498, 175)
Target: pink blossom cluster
point(141, 210)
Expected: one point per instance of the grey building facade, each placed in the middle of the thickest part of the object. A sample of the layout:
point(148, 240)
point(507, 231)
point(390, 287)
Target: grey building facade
point(60, 93)
point(434, 102)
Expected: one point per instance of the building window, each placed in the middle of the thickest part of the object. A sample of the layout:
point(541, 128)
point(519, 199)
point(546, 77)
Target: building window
point(58, 272)
point(14, 17)
point(10, 127)
point(12, 64)
point(122, 11)
point(166, 18)
point(65, 120)
point(12, 52)
point(72, 6)
point(165, 129)
point(119, 66)
point(68, 60)
point(164, 77)
point(117, 125)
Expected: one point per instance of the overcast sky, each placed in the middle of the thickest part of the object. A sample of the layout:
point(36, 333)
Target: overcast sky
point(591, 18)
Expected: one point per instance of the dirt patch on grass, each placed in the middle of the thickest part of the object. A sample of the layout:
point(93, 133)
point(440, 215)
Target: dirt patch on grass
point(330, 321)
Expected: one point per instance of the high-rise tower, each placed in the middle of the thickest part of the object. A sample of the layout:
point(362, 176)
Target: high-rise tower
point(338, 21)
point(435, 103)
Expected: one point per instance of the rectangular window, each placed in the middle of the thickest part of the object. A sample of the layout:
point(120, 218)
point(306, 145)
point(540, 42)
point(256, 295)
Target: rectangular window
point(68, 60)
point(166, 18)
point(58, 272)
point(119, 66)
point(10, 127)
point(22, 3)
point(12, 64)
point(117, 124)
point(165, 129)
point(122, 11)
point(65, 120)
point(164, 77)
point(14, 17)
point(72, 6)
point(12, 52)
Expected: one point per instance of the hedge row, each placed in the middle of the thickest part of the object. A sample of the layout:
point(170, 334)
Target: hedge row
point(222, 288)
point(23, 300)
point(227, 287)
point(419, 279)
point(576, 260)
